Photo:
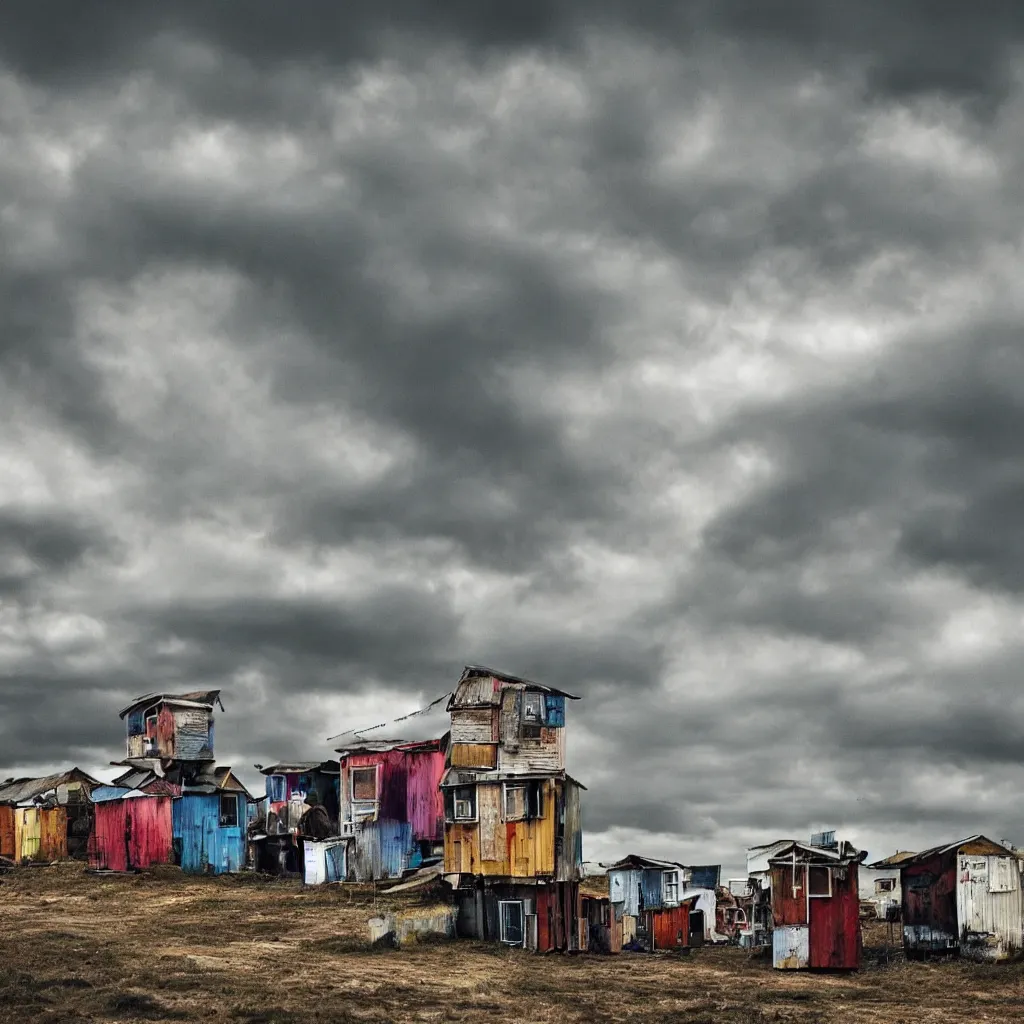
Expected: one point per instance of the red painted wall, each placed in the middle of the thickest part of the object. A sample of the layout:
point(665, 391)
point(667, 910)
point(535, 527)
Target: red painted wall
point(670, 928)
point(788, 908)
point(7, 831)
point(835, 938)
point(133, 833)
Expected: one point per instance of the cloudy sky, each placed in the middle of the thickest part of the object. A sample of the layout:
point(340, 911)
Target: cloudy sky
point(672, 360)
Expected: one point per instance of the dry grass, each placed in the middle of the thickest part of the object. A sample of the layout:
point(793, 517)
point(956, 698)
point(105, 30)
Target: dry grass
point(76, 948)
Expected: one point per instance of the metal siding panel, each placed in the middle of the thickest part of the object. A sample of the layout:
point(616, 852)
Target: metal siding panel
point(150, 831)
point(425, 801)
point(834, 929)
point(651, 885)
point(53, 834)
point(929, 901)
point(108, 846)
point(7, 847)
point(27, 832)
point(790, 947)
point(670, 927)
point(789, 895)
point(990, 922)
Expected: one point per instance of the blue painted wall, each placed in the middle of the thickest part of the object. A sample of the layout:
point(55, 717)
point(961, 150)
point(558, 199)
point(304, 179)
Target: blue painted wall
point(205, 846)
point(382, 849)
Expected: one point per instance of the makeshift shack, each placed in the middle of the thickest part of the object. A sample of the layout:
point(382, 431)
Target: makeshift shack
point(815, 907)
point(46, 819)
point(656, 907)
point(131, 829)
point(963, 898)
point(210, 819)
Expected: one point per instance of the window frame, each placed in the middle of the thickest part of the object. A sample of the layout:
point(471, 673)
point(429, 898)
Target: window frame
point(471, 800)
point(828, 874)
point(502, 932)
point(233, 797)
point(884, 885)
point(667, 885)
point(529, 698)
point(362, 770)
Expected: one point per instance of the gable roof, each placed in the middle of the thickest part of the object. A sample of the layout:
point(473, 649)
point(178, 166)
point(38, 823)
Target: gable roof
point(845, 853)
point(482, 670)
point(898, 858)
point(205, 699)
point(386, 746)
point(633, 861)
point(17, 791)
point(983, 846)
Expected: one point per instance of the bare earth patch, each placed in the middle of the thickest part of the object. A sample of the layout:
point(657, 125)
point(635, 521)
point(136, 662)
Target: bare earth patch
point(76, 948)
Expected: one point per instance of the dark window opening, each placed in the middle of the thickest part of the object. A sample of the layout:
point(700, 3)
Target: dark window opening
point(228, 810)
point(819, 882)
point(460, 803)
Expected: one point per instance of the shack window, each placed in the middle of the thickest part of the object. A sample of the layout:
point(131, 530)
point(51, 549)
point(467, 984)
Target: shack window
point(885, 884)
point(1001, 875)
point(670, 887)
point(364, 783)
point(228, 810)
point(533, 708)
point(524, 802)
point(511, 914)
point(277, 789)
point(465, 803)
point(819, 881)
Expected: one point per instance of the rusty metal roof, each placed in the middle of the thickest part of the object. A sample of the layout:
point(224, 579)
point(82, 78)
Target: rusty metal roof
point(900, 857)
point(634, 861)
point(506, 677)
point(937, 851)
point(844, 853)
point(206, 699)
point(16, 791)
point(384, 746)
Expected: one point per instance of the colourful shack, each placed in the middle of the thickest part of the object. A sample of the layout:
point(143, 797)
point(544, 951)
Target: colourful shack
point(293, 788)
point(655, 906)
point(513, 839)
point(815, 906)
point(963, 898)
point(46, 819)
point(132, 830)
point(170, 727)
point(392, 810)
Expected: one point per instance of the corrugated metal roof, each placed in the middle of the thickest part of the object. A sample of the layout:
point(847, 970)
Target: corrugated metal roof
point(936, 851)
point(635, 861)
point(482, 670)
point(845, 853)
point(198, 698)
point(300, 768)
point(18, 791)
point(897, 858)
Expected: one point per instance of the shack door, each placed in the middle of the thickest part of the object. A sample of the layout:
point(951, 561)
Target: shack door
point(696, 927)
point(511, 922)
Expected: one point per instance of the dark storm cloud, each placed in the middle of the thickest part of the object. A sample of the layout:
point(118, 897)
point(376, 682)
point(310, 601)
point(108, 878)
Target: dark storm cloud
point(908, 46)
point(334, 372)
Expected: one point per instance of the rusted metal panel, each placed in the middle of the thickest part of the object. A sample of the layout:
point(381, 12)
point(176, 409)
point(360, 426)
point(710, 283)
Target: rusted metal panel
point(53, 833)
point(835, 937)
point(150, 838)
point(789, 894)
point(670, 927)
point(570, 858)
point(929, 910)
point(7, 842)
point(165, 732)
point(473, 725)
point(473, 755)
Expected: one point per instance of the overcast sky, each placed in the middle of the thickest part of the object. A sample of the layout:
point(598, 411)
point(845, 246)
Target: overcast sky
point(673, 361)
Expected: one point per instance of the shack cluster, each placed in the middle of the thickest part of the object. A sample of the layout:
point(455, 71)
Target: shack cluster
point(490, 814)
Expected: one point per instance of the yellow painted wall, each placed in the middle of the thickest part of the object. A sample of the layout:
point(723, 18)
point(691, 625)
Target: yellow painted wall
point(473, 755)
point(491, 846)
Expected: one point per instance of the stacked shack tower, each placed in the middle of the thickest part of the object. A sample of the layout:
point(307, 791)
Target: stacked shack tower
point(513, 850)
point(172, 804)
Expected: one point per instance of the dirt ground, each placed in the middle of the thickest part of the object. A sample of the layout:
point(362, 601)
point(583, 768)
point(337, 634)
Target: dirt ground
point(76, 948)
